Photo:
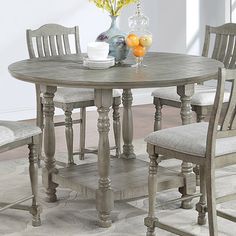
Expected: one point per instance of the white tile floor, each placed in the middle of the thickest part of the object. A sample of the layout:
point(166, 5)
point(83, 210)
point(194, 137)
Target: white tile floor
point(72, 215)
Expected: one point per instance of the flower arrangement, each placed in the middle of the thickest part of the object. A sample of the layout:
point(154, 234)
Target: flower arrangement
point(113, 7)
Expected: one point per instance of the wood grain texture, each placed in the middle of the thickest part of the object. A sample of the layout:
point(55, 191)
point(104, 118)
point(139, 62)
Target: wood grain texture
point(128, 178)
point(163, 69)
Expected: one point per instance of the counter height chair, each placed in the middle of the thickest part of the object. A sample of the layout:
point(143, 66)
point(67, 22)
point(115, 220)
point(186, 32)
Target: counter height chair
point(14, 135)
point(219, 44)
point(222, 42)
point(209, 145)
point(54, 40)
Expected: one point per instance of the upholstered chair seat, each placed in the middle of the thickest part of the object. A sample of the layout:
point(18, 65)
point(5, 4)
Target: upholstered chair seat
point(204, 95)
point(71, 95)
point(190, 139)
point(11, 131)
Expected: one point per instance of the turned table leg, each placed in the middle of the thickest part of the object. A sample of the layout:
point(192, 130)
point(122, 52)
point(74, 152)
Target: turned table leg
point(104, 193)
point(186, 92)
point(127, 125)
point(49, 143)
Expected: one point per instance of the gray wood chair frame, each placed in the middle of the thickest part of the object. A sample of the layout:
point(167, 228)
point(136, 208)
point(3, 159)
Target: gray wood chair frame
point(224, 50)
point(208, 164)
point(35, 209)
point(53, 40)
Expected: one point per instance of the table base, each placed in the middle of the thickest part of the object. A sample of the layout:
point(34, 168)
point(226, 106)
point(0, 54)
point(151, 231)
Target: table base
point(128, 178)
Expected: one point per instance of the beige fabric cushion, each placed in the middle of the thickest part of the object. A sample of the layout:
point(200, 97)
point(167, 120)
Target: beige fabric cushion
point(203, 96)
point(190, 139)
point(70, 95)
point(11, 131)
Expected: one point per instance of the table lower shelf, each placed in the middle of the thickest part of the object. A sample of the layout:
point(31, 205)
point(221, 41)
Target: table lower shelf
point(129, 178)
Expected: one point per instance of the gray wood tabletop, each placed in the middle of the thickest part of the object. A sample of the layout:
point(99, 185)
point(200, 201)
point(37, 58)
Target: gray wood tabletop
point(163, 69)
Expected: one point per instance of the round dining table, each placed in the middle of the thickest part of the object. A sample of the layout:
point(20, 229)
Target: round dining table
point(128, 180)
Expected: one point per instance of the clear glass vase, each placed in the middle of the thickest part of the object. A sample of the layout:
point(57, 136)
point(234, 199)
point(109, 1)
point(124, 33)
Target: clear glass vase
point(139, 38)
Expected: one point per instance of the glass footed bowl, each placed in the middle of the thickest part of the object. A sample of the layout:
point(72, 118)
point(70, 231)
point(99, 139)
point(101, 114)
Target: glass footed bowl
point(139, 42)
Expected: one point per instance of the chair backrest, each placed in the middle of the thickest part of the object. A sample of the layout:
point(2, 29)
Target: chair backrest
point(227, 127)
point(224, 44)
point(52, 40)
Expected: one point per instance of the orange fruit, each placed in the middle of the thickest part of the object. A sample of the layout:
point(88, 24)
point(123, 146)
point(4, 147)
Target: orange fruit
point(139, 51)
point(132, 40)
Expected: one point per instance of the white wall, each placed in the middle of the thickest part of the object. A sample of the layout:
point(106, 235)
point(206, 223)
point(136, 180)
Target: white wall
point(17, 99)
point(171, 21)
point(179, 26)
point(167, 23)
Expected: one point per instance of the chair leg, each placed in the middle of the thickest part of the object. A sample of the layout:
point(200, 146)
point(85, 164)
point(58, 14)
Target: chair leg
point(196, 170)
point(158, 114)
point(201, 206)
point(201, 113)
point(69, 135)
point(152, 190)
point(82, 132)
point(201, 116)
point(39, 123)
point(116, 124)
point(211, 201)
point(33, 172)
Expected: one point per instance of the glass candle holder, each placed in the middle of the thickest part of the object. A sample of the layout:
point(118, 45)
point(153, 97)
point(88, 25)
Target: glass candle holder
point(139, 38)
